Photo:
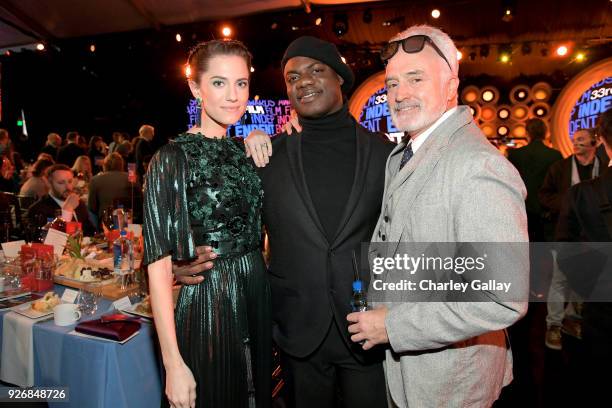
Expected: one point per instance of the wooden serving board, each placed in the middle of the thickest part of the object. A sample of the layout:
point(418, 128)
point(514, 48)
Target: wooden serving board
point(114, 292)
point(79, 284)
point(110, 291)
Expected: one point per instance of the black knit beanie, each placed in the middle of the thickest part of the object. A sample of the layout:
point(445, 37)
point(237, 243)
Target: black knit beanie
point(323, 51)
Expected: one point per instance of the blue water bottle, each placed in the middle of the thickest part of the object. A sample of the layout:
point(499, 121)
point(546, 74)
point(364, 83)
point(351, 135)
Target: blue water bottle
point(359, 301)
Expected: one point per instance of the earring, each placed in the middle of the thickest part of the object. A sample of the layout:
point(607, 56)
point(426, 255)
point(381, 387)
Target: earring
point(198, 121)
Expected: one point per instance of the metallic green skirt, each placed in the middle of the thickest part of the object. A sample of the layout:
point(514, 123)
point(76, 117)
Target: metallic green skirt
point(224, 333)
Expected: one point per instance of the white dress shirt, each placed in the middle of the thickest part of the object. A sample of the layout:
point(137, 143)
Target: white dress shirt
point(420, 139)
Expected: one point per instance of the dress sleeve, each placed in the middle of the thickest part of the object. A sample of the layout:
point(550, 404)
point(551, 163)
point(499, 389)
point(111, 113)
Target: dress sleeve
point(166, 225)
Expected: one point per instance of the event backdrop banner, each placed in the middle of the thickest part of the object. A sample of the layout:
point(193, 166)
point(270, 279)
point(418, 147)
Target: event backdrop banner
point(580, 104)
point(268, 115)
point(592, 103)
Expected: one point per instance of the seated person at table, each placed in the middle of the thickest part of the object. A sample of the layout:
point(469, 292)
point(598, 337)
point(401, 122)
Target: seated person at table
point(82, 168)
point(36, 186)
point(61, 197)
point(113, 184)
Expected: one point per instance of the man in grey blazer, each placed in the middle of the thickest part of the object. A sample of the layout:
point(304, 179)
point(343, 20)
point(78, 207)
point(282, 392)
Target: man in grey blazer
point(446, 183)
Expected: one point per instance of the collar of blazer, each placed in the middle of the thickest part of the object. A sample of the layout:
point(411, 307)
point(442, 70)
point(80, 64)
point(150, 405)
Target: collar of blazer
point(417, 171)
point(294, 154)
point(426, 157)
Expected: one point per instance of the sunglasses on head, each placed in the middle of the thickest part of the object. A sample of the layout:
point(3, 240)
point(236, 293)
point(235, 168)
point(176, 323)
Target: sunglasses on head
point(410, 45)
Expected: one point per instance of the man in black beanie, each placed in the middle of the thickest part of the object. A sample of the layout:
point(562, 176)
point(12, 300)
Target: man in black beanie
point(322, 194)
point(323, 190)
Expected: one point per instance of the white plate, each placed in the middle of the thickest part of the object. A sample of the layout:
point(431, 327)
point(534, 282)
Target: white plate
point(13, 293)
point(132, 310)
point(26, 310)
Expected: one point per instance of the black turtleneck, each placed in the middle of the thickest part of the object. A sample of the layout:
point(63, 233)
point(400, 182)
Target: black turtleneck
point(328, 158)
point(585, 172)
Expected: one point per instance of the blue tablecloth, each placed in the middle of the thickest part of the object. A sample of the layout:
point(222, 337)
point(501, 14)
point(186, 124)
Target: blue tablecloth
point(99, 373)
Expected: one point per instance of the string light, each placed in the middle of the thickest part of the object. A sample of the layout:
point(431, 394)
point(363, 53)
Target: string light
point(226, 31)
point(188, 71)
point(178, 38)
point(502, 130)
point(488, 96)
point(580, 56)
point(92, 48)
point(40, 46)
point(435, 13)
point(459, 55)
point(505, 52)
point(562, 50)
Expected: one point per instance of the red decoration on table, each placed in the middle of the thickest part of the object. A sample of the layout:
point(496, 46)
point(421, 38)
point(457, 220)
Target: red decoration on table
point(37, 261)
point(72, 227)
point(111, 236)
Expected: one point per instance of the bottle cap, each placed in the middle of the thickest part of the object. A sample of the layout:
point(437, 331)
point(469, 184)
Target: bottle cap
point(357, 286)
point(123, 233)
point(49, 219)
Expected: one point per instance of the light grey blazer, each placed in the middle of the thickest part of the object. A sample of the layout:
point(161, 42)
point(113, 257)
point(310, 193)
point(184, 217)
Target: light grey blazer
point(456, 188)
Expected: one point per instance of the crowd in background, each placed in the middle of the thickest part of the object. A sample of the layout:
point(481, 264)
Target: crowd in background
point(98, 175)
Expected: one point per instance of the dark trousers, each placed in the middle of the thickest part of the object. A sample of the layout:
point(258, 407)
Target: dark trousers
point(597, 339)
point(536, 227)
point(331, 377)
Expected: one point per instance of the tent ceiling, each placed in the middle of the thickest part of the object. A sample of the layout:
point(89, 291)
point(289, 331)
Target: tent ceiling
point(469, 22)
point(60, 19)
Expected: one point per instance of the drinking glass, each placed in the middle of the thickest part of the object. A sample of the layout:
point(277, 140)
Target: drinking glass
point(89, 298)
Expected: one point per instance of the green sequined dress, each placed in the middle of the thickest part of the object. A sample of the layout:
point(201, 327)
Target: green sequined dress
point(201, 191)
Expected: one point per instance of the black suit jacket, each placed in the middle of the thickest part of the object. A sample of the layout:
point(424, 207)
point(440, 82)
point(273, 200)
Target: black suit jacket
point(581, 218)
point(310, 277)
point(532, 162)
point(143, 151)
point(50, 150)
point(68, 154)
point(557, 182)
point(46, 207)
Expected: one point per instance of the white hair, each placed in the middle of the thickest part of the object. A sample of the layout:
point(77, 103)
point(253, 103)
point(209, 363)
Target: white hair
point(439, 37)
point(145, 129)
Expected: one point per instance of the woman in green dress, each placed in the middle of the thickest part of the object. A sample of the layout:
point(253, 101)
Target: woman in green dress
point(200, 190)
